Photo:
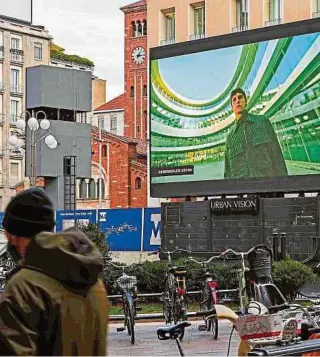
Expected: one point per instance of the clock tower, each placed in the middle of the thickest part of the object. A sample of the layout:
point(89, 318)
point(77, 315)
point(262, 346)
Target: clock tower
point(135, 70)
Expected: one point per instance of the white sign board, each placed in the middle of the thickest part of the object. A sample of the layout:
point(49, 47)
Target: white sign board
point(17, 9)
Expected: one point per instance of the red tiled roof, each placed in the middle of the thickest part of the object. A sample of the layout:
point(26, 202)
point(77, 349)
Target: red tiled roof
point(114, 104)
point(134, 5)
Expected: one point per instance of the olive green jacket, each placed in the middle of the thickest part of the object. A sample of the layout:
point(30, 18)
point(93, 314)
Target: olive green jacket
point(56, 304)
point(253, 150)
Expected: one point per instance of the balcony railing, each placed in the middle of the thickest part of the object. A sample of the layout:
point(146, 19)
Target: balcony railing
point(16, 89)
point(1, 86)
point(170, 41)
point(240, 28)
point(16, 153)
point(197, 37)
point(1, 52)
point(274, 22)
point(316, 14)
point(16, 56)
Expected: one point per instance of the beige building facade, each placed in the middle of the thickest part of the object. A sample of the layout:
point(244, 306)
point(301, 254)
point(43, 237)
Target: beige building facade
point(21, 46)
point(173, 21)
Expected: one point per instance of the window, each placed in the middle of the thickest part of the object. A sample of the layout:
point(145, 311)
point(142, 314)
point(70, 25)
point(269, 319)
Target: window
point(15, 80)
point(38, 51)
point(242, 14)
point(92, 189)
point(317, 5)
point(138, 129)
point(132, 91)
point(14, 172)
point(104, 151)
point(83, 189)
point(101, 122)
point(199, 21)
point(275, 10)
point(139, 29)
point(102, 188)
point(138, 183)
point(170, 27)
point(14, 109)
point(133, 29)
point(113, 123)
point(145, 91)
point(144, 27)
point(15, 43)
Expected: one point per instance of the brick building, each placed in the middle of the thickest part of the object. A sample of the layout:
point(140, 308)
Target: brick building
point(123, 123)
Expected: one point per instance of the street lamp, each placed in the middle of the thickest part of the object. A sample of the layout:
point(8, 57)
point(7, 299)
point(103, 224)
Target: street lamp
point(16, 140)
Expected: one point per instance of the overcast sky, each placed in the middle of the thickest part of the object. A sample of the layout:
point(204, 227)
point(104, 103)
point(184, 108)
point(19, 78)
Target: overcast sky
point(88, 28)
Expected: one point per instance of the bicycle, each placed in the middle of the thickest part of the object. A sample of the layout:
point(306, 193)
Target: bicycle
point(208, 295)
point(128, 285)
point(174, 295)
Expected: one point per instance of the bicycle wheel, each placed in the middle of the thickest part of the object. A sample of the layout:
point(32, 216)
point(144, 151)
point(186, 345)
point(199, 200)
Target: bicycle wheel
point(214, 327)
point(131, 323)
point(166, 305)
point(177, 315)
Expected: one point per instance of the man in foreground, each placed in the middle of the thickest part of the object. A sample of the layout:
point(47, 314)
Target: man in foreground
point(252, 146)
point(54, 304)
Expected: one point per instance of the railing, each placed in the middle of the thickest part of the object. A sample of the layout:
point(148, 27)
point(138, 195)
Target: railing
point(170, 41)
point(197, 37)
point(16, 55)
point(16, 89)
point(1, 52)
point(1, 86)
point(316, 14)
point(58, 62)
point(274, 22)
point(240, 28)
point(17, 154)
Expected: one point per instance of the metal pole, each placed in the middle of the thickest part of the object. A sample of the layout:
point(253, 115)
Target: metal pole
point(100, 168)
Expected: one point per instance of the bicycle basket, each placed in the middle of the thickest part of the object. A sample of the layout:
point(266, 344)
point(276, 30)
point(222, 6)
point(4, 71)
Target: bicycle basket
point(127, 282)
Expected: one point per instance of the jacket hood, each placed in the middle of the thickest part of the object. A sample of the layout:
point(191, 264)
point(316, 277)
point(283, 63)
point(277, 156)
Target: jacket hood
point(70, 257)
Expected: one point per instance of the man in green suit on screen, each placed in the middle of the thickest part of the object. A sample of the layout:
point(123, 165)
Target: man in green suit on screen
point(252, 146)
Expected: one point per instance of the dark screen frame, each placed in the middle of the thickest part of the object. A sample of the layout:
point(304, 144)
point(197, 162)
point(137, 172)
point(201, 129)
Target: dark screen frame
point(234, 186)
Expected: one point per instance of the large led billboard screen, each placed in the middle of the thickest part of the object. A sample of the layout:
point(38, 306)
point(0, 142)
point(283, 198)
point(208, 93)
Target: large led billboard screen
point(237, 113)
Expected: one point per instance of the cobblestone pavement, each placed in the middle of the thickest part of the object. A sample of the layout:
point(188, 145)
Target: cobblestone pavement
point(194, 343)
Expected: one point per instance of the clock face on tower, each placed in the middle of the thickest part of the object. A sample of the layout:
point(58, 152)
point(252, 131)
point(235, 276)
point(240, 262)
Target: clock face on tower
point(138, 55)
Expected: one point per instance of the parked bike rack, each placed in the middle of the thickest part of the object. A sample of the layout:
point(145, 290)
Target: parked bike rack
point(160, 315)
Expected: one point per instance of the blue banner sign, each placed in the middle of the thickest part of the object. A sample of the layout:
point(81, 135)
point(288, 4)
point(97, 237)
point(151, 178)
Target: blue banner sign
point(151, 229)
point(122, 227)
point(67, 219)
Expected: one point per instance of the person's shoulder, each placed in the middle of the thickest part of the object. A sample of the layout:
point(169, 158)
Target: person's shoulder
point(258, 118)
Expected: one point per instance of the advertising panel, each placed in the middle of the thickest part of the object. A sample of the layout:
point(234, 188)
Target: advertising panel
point(122, 228)
point(151, 229)
point(17, 9)
point(67, 219)
point(236, 116)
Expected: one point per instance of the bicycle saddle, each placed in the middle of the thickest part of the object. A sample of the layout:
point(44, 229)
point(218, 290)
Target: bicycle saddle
point(169, 332)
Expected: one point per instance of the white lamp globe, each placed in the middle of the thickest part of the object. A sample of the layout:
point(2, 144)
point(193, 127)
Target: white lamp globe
point(33, 124)
point(45, 124)
point(53, 146)
point(50, 140)
point(20, 124)
point(19, 144)
point(13, 140)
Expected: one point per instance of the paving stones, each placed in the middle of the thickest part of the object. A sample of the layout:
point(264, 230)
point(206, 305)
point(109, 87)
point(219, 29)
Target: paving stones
point(194, 343)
